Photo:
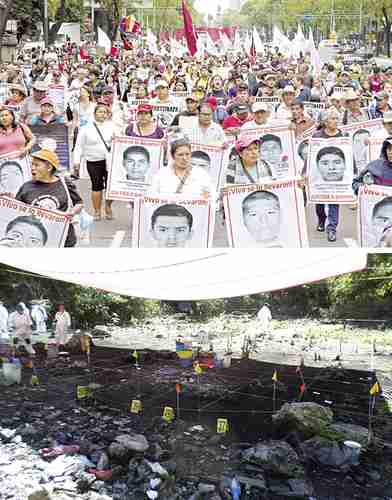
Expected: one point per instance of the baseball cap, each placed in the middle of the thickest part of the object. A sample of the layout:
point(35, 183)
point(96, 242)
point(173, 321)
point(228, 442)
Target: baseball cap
point(269, 76)
point(260, 106)
point(387, 117)
point(144, 108)
point(345, 72)
point(245, 141)
point(46, 100)
point(161, 83)
point(337, 95)
point(381, 95)
point(40, 86)
point(242, 108)
point(192, 97)
point(49, 156)
point(287, 89)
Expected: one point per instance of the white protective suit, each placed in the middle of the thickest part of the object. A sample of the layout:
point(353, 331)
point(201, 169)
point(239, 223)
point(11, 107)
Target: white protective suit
point(63, 322)
point(265, 317)
point(39, 315)
point(3, 321)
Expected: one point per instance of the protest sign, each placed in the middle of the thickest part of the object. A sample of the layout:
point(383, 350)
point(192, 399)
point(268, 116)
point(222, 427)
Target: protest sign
point(56, 136)
point(276, 149)
point(313, 109)
point(375, 146)
point(15, 170)
point(134, 161)
point(330, 171)
point(27, 226)
point(165, 114)
point(268, 215)
point(361, 134)
point(212, 159)
point(57, 94)
point(375, 215)
point(173, 221)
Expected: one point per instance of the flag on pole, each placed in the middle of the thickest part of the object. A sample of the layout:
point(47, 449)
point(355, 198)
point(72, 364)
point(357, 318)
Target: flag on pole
point(104, 41)
point(178, 388)
point(258, 44)
point(275, 376)
point(152, 43)
point(190, 35)
point(252, 48)
point(128, 24)
point(375, 388)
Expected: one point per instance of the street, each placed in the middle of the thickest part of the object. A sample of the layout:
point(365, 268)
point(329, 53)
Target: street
point(117, 233)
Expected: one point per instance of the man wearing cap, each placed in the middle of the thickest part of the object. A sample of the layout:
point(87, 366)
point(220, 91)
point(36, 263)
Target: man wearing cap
point(192, 103)
point(32, 104)
point(232, 124)
point(354, 113)
point(336, 102)
point(163, 97)
point(283, 111)
point(381, 105)
point(47, 190)
point(266, 87)
point(261, 113)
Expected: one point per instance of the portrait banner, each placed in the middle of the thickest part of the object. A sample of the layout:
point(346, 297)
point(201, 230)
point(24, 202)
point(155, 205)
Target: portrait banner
point(313, 109)
point(330, 171)
point(361, 134)
point(180, 97)
point(173, 221)
point(375, 147)
point(276, 149)
point(164, 115)
point(57, 94)
point(134, 161)
point(15, 170)
point(26, 226)
point(375, 215)
point(268, 215)
point(212, 159)
point(55, 136)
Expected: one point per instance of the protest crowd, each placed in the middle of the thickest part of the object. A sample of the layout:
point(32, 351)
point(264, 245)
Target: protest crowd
point(247, 137)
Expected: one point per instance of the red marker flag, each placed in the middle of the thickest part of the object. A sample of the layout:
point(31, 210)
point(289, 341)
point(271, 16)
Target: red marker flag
point(178, 388)
point(189, 30)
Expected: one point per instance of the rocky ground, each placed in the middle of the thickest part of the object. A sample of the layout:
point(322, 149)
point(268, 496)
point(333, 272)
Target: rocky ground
point(290, 448)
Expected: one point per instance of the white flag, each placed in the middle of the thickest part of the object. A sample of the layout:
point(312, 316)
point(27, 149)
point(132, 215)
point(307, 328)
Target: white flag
point(104, 41)
point(152, 43)
point(210, 46)
point(237, 41)
point(248, 43)
point(311, 44)
point(226, 41)
point(257, 41)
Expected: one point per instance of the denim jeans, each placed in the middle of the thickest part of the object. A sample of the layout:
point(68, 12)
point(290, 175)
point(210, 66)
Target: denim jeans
point(333, 215)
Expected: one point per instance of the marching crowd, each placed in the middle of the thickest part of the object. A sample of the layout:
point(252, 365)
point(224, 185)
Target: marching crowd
point(223, 98)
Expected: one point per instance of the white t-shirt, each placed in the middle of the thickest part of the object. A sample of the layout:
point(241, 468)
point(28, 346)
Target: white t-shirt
point(166, 181)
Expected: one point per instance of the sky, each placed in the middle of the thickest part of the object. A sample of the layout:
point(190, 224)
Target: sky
point(210, 5)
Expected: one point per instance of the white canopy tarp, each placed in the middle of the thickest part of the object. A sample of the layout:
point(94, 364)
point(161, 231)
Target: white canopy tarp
point(187, 275)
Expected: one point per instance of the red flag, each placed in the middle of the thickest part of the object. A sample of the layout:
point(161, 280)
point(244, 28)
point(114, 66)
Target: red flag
point(189, 30)
point(252, 52)
point(178, 388)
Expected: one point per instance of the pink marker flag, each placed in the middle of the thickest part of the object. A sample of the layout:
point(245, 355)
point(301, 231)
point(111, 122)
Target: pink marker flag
point(189, 30)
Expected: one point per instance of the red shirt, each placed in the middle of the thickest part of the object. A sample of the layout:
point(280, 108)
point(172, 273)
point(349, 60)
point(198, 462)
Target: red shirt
point(234, 122)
